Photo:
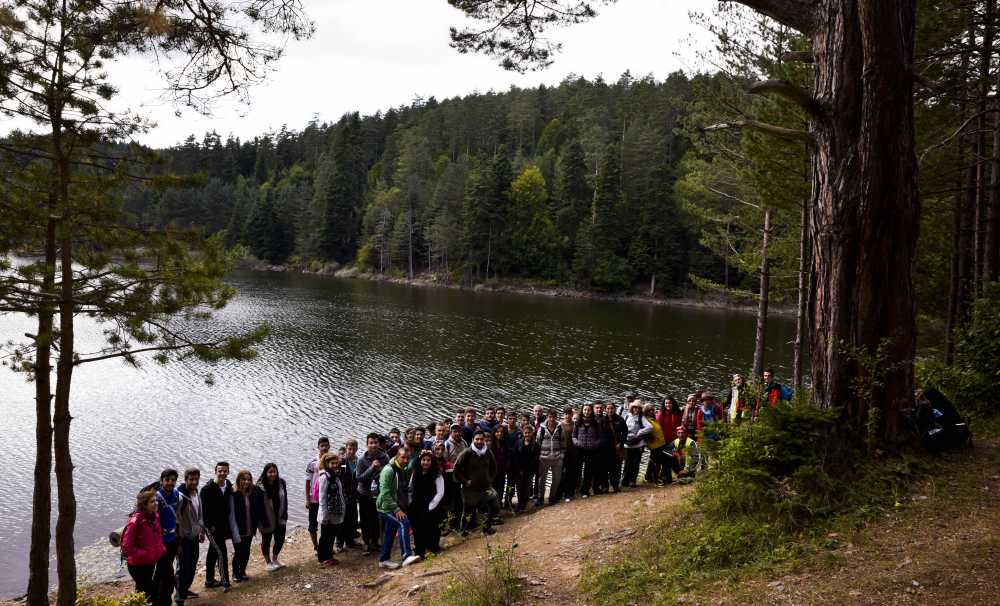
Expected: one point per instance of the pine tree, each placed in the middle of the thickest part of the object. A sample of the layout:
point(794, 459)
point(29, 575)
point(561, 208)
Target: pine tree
point(266, 232)
point(573, 194)
point(341, 191)
point(535, 241)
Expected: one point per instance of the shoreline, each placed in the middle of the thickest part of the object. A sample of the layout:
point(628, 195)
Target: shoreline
point(430, 280)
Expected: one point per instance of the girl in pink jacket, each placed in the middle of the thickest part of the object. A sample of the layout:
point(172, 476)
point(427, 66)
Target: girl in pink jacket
point(142, 543)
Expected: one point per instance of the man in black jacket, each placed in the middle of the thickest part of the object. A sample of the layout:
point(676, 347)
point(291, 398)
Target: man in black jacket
point(216, 497)
point(614, 452)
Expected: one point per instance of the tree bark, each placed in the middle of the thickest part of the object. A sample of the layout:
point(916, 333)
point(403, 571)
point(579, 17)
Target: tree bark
point(865, 205)
point(765, 286)
point(801, 325)
point(991, 252)
point(41, 499)
point(979, 212)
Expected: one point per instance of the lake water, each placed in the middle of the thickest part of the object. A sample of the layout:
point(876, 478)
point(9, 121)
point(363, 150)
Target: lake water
point(347, 357)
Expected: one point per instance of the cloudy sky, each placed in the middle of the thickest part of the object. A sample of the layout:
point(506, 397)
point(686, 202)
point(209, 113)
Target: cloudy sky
point(368, 55)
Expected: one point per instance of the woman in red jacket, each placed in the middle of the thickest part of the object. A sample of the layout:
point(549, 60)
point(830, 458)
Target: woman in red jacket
point(142, 543)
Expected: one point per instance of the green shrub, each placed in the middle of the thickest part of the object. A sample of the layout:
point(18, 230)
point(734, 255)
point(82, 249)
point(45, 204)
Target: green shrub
point(132, 599)
point(492, 581)
point(773, 483)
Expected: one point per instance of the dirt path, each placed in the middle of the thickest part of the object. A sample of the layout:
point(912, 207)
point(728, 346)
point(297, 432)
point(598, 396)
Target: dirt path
point(553, 544)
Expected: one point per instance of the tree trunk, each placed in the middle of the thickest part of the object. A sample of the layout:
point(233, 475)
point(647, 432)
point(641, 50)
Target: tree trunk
point(652, 285)
point(991, 253)
point(409, 229)
point(765, 286)
point(66, 520)
point(979, 212)
point(801, 326)
point(865, 205)
point(41, 499)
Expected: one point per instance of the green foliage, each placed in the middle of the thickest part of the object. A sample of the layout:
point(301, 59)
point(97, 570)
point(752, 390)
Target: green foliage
point(773, 482)
point(971, 382)
point(492, 580)
point(132, 599)
point(535, 241)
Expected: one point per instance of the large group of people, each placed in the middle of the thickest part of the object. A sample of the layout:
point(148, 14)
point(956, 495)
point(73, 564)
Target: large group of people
point(454, 475)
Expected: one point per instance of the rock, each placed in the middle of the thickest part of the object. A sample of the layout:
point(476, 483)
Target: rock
point(414, 590)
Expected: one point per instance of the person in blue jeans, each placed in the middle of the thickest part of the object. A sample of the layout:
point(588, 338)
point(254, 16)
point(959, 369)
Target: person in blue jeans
point(392, 502)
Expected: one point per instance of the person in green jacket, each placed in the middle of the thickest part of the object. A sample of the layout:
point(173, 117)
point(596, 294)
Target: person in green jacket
point(393, 499)
point(475, 471)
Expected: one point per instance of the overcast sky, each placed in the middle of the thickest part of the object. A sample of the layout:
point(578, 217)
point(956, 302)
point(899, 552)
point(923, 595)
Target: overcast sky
point(368, 55)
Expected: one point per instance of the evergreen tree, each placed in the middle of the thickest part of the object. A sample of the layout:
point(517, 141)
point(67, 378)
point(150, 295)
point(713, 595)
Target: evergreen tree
point(535, 241)
point(573, 194)
point(340, 189)
point(266, 231)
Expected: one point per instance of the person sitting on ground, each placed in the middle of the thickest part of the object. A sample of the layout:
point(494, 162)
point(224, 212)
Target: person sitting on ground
point(142, 544)
point(392, 503)
point(475, 471)
point(274, 518)
point(426, 494)
point(683, 454)
point(638, 430)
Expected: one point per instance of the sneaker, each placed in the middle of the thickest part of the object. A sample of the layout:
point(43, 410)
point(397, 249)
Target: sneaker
point(584, 496)
point(277, 563)
point(568, 499)
point(389, 564)
point(413, 559)
point(271, 567)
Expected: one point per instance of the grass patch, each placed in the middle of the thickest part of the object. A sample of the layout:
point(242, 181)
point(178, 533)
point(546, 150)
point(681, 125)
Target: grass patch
point(132, 599)
point(492, 580)
point(776, 490)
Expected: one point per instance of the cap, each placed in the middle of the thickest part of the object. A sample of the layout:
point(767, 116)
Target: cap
point(455, 426)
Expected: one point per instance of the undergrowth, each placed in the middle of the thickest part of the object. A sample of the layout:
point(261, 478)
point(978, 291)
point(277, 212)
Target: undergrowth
point(776, 488)
point(132, 599)
point(492, 580)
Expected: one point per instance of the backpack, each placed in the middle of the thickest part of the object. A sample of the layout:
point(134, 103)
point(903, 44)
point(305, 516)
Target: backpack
point(786, 392)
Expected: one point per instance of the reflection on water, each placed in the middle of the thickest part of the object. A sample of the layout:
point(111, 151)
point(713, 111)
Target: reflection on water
point(344, 358)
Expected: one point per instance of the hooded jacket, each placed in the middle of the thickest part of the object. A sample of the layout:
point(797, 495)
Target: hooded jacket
point(216, 502)
point(332, 503)
point(366, 474)
point(639, 428)
point(142, 541)
point(552, 443)
point(393, 489)
point(190, 524)
point(478, 470)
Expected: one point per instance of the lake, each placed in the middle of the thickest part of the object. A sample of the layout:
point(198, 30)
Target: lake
point(346, 357)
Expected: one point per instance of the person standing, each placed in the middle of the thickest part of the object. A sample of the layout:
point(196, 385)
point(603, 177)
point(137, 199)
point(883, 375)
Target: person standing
point(638, 429)
point(167, 500)
point(552, 445)
point(190, 535)
point(526, 461)
point(274, 515)
point(348, 479)
point(142, 544)
point(313, 470)
point(616, 452)
point(245, 514)
point(587, 439)
point(369, 467)
point(738, 405)
point(502, 484)
point(689, 416)
point(571, 454)
point(489, 422)
point(537, 417)
point(332, 506)
point(669, 417)
point(453, 447)
point(656, 443)
point(426, 495)
point(216, 499)
point(392, 503)
point(475, 471)
point(470, 427)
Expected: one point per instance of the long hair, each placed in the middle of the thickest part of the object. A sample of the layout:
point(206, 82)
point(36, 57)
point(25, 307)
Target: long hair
point(262, 478)
point(244, 473)
point(143, 498)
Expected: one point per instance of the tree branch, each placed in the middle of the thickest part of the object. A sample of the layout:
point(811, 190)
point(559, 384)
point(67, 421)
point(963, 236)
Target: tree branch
point(798, 57)
point(777, 131)
point(797, 14)
point(784, 88)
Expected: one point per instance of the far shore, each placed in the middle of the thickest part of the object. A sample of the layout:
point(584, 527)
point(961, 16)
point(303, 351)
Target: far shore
point(433, 280)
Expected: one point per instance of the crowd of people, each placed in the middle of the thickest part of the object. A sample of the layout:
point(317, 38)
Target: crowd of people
point(455, 475)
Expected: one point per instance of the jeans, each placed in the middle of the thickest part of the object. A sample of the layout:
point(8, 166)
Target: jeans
point(143, 577)
point(163, 575)
point(369, 520)
point(590, 462)
point(187, 564)
point(327, 534)
point(279, 541)
point(393, 527)
point(614, 469)
point(633, 456)
point(218, 558)
point(241, 556)
point(546, 465)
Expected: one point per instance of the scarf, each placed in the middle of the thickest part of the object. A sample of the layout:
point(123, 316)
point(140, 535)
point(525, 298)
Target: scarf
point(481, 452)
